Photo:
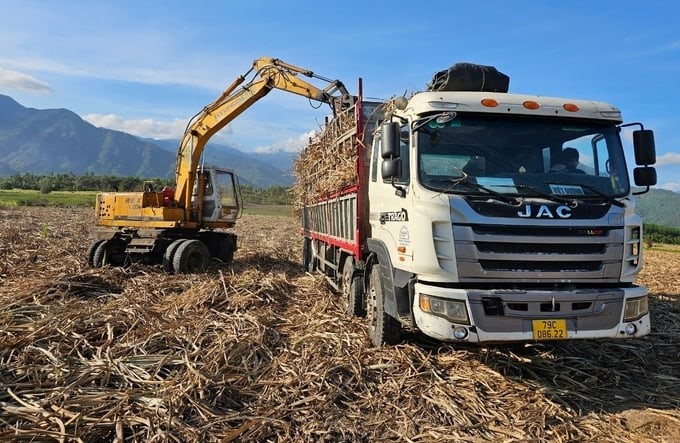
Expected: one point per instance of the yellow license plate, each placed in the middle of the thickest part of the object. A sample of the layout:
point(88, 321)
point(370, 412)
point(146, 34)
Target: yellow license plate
point(550, 329)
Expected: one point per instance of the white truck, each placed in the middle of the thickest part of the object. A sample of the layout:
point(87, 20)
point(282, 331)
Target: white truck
point(468, 218)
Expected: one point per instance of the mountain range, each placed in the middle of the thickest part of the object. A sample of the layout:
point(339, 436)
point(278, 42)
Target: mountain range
point(59, 141)
point(44, 141)
point(659, 207)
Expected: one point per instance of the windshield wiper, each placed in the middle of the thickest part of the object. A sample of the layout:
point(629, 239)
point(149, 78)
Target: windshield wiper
point(569, 202)
point(477, 187)
point(609, 198)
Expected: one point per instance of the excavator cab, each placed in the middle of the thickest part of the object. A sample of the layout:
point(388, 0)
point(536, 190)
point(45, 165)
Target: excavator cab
point(221, 199)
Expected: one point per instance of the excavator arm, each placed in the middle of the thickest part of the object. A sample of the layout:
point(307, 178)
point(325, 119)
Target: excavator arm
point(269, 73)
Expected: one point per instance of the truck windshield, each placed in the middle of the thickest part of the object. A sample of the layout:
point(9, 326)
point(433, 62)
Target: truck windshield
point(522, 156)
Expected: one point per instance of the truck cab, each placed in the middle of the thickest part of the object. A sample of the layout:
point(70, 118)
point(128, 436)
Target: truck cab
point(505, 217)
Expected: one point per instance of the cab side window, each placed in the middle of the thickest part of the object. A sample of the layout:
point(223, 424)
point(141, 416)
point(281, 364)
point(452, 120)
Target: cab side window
point(375, 158)
point(404, 152)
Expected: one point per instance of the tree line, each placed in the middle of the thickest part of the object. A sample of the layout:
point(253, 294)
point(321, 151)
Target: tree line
point(661, 234)
point(274, 195)
point(71, 182)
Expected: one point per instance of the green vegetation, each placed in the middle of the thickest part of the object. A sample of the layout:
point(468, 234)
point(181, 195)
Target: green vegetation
point(22, 197)
point(71, 182)
point(273, 195)
point(271, 210)
point(73, 190)
point(661, 234)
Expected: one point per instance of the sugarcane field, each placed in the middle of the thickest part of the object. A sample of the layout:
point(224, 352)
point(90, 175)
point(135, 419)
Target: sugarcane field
point(261, 350)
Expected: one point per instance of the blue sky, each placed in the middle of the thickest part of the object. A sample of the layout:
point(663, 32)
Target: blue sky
point(146, 67)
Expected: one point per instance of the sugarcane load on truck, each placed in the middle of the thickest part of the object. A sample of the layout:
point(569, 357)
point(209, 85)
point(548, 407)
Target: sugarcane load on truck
point(469, 213)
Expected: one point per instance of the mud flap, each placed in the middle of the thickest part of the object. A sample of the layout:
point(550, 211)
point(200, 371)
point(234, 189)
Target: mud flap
point(397, 300)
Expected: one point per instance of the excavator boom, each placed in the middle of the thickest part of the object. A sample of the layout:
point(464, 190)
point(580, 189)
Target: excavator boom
point(270, 73)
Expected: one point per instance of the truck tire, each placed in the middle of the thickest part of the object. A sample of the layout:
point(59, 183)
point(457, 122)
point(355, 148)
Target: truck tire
point(352, 290)
point(382, 328)
point(191, 256)
point(308, 259)
point(169, 255)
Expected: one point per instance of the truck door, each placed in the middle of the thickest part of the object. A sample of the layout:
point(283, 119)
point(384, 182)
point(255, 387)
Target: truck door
point(390, 197)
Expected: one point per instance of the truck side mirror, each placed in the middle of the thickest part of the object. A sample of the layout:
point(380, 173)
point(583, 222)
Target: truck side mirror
point(389, 146)
point(391, 168)
point(643, 143)
point(644, 176)
point(389, 150)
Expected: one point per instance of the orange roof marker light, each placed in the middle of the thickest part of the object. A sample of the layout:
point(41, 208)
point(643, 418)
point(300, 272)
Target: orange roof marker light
point(490, 102)
point(570, 107)
point(530, 104)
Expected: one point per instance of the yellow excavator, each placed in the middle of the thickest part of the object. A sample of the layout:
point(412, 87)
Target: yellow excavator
point(178, 226)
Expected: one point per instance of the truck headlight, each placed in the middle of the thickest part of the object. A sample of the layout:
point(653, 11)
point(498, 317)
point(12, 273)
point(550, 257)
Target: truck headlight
point(453, 310)
point(635, 308)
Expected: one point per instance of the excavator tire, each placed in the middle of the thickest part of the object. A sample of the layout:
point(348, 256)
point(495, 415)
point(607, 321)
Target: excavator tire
point(109, 252)
point(225, 249)
point(191, 256)
point(169, 255)
point(90, 252)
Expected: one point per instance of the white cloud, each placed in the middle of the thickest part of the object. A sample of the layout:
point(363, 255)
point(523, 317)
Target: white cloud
point(144, 127)
point(18, 80)
point(669, 47)
point(671, 186)
point(669, 158)
point(291, 144)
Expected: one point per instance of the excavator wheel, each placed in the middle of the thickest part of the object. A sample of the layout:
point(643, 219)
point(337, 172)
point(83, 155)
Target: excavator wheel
point(169, 255)
point(225, 249)
point(91, 251)
point(109, 252)
point(191, 256)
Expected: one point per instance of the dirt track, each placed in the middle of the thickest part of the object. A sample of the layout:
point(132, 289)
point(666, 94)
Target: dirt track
point(260, 351)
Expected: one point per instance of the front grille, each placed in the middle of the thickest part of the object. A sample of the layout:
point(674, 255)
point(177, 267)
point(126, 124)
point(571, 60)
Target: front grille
point(540, 248)
point(540, 266)
point(523, 253)
point(541, 231)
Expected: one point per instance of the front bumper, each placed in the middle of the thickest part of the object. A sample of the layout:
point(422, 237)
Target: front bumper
point(588, 313)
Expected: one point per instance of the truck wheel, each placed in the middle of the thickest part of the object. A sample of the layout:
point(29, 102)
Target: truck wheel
point(308, 259)
point(191, 256)
point(169, 255)
point(352, 290)
point(91, 250)
point(382, 328)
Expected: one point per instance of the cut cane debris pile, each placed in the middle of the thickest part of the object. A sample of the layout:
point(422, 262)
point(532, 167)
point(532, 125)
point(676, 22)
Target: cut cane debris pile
point(261, 351)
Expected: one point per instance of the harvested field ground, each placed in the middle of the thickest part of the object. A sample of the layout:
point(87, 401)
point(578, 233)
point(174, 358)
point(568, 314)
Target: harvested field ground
point(260, 351)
